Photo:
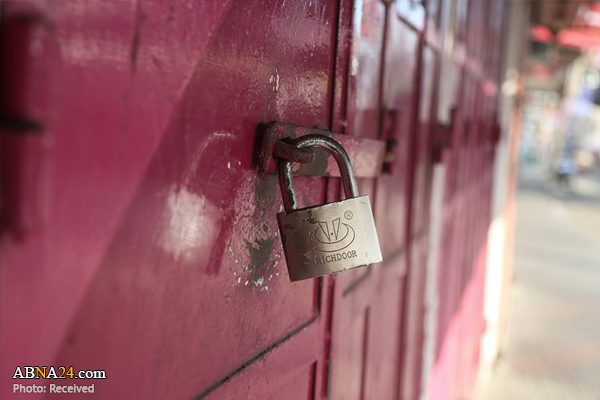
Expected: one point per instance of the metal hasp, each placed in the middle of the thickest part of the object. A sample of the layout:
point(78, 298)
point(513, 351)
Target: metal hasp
point(367, 155)
point(328, 238)
point(286, 151)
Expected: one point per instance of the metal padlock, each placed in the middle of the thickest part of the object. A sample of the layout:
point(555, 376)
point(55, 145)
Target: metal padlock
point(328, 238)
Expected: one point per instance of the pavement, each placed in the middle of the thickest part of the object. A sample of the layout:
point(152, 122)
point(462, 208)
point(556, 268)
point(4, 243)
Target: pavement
point(552, 347)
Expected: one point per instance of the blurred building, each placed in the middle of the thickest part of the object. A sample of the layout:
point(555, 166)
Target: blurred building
point(560, 107)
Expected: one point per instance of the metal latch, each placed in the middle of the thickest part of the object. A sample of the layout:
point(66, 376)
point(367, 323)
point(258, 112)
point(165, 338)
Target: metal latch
point(367, 155)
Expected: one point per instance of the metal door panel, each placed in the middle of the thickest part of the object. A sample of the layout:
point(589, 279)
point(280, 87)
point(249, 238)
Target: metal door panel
point(365, 321)
point(362, 107)
point(287, 371)
point(85, 161)
point(383, 349)
point(366, 327)
point(160, 257)
point(348, 355)
point(95, 151)
point(413, 326)
point(299, 388)
point(398, 102)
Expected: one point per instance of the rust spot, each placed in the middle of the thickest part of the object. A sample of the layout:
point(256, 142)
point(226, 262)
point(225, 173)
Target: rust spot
point(265, 187)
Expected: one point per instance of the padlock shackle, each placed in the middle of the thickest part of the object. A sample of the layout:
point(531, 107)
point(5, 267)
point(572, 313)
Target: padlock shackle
point(288, 191)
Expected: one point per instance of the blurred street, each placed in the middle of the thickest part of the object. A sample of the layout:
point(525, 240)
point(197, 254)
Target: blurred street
point(552, 347)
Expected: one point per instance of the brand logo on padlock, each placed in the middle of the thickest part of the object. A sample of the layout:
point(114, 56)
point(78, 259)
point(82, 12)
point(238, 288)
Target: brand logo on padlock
point(330, 237)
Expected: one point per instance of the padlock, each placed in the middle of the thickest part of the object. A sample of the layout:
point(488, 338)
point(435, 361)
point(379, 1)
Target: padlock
point(328, 238)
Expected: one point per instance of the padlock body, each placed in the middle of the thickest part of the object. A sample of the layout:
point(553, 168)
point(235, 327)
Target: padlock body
point(329, 238)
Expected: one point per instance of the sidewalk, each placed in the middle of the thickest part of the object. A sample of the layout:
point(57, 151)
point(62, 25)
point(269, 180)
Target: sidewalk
point(552, 350)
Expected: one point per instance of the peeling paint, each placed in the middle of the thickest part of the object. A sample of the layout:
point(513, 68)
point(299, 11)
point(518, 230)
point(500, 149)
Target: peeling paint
point(274, 81)
point(265, 187)
point(255, 234)
point(260, 259)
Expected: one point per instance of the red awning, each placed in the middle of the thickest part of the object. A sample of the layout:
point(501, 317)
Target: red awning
point(579, 38)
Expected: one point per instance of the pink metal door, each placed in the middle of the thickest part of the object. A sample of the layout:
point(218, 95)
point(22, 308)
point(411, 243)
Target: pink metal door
point(159, 259)
point(364, 343)
point(139, 235)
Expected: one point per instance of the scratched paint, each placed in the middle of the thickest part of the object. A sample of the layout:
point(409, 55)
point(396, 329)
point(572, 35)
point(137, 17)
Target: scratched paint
point(254, 252)
point(261, 263)
point(265, 188)
point(274, 81)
